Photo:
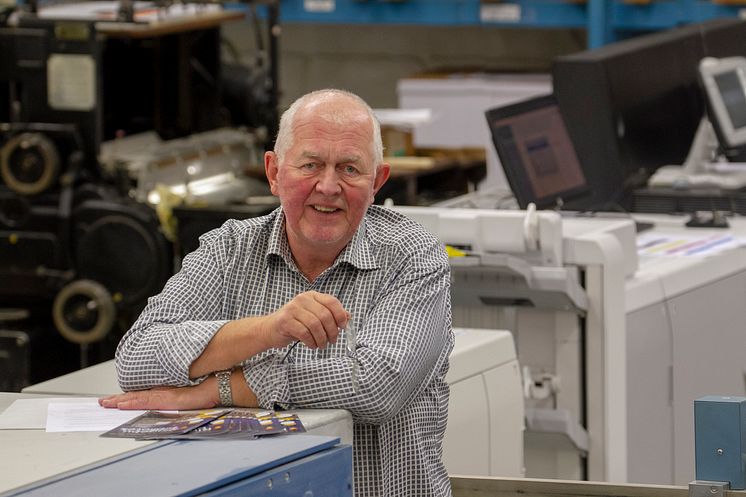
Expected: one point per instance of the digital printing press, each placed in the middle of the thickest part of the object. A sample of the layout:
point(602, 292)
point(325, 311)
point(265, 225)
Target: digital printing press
point(614, 347)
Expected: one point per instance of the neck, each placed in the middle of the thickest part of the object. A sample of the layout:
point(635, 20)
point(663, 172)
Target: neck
point(312, 267)
point(312, 260)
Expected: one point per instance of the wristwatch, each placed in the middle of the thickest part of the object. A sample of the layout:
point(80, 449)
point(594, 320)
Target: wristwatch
point(224, 387)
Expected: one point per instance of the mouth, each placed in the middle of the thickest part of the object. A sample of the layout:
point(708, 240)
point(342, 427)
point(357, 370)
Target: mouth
point(324, 209)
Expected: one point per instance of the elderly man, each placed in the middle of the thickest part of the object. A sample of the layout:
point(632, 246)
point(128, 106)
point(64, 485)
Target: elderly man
point(327, 302)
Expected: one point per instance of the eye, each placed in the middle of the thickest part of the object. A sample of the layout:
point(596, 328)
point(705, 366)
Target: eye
point(309, 166)
point(349, 170)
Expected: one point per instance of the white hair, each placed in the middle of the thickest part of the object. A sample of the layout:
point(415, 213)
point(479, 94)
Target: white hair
point(285, 133)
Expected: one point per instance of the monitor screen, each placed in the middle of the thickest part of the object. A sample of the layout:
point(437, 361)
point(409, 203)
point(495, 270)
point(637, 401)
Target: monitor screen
point(724, 83)
point(536, 152)
point(731, 89)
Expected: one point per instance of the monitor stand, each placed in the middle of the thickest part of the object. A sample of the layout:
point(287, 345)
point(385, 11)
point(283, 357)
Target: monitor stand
point(701, 169)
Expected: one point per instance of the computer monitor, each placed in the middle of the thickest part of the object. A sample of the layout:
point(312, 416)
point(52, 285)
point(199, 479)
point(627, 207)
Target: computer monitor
point(536, 152)
point(724, 84)
point(635, 105)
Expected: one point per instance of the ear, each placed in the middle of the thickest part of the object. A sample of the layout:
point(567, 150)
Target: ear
point(271, 168)
point(382, 175)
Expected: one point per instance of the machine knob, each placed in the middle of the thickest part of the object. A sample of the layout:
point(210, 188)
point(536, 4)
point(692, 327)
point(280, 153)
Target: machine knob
point(29, 163)
point(83, 311)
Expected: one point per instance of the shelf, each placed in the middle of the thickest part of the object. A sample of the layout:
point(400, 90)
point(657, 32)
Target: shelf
point(664, 14)
point(604, 20)
point(527, 13)
point(433, 12)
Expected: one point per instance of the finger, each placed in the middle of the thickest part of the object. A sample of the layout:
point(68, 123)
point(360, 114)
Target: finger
point(309, 330)
point(325, 328)
point(313, 320)
point(335, 307)
point(126, 401)
point(111, 401)
point(145, 399)
point(134, 404)
point(321, 325)
point(156, 398)
point(335, 317)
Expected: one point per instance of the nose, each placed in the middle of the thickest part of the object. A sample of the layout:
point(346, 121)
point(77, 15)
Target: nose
point(328, 183)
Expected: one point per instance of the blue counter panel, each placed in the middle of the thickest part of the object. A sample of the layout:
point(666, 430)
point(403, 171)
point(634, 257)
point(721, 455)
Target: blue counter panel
point(207, 467)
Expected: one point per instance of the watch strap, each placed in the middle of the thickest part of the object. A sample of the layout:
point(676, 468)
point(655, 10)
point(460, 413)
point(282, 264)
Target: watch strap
point(224, 387)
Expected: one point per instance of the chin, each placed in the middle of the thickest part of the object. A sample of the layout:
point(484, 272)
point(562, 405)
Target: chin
point(327, 238)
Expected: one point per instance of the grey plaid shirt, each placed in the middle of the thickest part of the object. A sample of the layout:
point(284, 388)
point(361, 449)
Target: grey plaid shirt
point(393, 277)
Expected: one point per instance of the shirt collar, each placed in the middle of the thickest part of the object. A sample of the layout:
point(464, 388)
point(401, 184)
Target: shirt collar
point(278, 241)
point(358, 253)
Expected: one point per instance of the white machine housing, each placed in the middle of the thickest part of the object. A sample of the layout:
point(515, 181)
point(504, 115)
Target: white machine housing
point(486, 410)
point(613, 360)
point(560, 290)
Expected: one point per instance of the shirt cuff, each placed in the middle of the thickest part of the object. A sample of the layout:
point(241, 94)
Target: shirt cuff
point(181, 346)
point(268, 379)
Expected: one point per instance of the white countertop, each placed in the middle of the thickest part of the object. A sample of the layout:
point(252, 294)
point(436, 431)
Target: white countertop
point(27, 456)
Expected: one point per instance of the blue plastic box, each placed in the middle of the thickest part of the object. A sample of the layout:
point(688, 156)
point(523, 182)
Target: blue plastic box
point(720, 439)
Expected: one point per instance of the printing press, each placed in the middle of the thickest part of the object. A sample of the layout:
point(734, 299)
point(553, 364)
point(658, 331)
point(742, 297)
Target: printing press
point(122, 138)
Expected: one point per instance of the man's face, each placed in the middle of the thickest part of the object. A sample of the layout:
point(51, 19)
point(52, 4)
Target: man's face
point(326, 182)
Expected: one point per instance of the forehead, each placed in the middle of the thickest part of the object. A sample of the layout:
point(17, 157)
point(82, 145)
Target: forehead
point(348, 131)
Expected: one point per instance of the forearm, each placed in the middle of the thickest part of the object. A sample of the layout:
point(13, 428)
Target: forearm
point(243, 396)
point(201, 396)
point(235, 342)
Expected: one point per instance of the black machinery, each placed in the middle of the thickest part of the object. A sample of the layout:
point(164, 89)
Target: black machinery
point(81, 247)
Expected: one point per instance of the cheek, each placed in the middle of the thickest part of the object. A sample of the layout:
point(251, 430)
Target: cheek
point(359, 198)
point(292, 192)
point(290, 187)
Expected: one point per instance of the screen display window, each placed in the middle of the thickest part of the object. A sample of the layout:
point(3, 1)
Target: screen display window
point(733, 95)
point(534, 147)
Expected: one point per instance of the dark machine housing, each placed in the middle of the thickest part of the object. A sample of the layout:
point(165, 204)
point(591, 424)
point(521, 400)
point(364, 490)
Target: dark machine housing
point(76, 251)
point(78, 255)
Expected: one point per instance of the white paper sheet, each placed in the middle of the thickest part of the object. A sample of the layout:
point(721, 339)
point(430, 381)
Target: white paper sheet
point(85, 416)
point(30, 414)
point(686, 244)
point(66, 413)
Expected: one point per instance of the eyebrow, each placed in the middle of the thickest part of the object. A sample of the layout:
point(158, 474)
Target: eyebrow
point(310, 155)
point(349, 158)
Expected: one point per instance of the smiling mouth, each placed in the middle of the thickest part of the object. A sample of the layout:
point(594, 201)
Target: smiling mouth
point(326, 210)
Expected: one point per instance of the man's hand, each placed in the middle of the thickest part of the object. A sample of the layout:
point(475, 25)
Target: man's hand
point(164, 398)
point(313, 318)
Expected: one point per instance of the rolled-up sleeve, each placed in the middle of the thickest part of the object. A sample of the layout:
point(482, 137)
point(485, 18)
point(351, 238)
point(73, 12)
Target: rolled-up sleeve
point(175, 326)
